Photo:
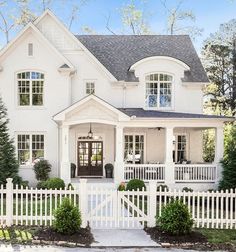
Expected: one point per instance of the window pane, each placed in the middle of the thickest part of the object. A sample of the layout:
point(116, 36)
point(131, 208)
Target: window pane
point(23, 144)
point(37, 147)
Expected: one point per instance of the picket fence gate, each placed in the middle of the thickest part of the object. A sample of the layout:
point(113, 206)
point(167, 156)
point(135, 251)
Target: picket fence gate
point(109, 208)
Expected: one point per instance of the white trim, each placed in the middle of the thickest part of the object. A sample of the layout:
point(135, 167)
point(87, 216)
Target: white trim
point(61, 115)
point(61, 25)
point(184, 65)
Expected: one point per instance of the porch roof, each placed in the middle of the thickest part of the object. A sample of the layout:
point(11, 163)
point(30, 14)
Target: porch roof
point(141, 113)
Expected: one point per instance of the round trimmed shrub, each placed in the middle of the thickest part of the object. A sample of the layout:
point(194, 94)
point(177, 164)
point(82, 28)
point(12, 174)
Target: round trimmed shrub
point(187, 189)
point(135, 184)
point(162, 188)
point(42, 169)
point(55, 183)
point(67, 218)
point(175, 219)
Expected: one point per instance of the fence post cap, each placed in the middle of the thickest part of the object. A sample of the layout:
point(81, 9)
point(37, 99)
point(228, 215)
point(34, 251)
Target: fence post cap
point(9, 180)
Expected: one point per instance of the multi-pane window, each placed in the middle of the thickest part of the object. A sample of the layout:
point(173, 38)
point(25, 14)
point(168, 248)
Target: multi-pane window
point(134, 149)
point(30, 148)
point(30, 88)
point(158, 91)
point(90, 88)
point(180, 152)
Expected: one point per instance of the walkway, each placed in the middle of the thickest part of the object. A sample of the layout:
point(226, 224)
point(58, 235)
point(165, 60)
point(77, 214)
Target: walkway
point(122, 238)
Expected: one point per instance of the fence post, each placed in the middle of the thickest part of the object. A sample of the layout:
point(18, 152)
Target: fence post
point(152, 203)
point(83, 201)
point(9, 202)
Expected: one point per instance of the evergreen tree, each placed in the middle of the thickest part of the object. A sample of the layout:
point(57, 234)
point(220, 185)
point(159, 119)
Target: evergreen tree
point(229, 161)
point(8, 163)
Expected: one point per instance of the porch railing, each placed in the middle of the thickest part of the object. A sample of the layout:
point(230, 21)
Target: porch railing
point(145, 172)
point(195, 173)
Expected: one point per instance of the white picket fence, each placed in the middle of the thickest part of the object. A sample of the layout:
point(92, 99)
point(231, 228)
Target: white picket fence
point(109, 208)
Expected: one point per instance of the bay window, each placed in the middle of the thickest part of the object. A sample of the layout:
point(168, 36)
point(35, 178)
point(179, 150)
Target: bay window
point(158, 91)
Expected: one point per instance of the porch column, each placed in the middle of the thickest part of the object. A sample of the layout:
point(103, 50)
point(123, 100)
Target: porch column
point(219, 150)
point(119, 156)
point(65, 160)
point(169, 164)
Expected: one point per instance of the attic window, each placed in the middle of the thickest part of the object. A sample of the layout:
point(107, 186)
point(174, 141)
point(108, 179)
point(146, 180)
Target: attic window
point(90, 88)
point(30, 49)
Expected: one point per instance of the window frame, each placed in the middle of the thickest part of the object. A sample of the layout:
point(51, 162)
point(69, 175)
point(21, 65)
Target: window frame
point(158, 107)
point(90, 82)
point(30, 106)
point(133, 134)
point(30, 146)
point(176, 135)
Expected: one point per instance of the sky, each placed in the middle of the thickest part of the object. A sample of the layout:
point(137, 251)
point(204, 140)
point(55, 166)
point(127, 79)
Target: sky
point(209, 15)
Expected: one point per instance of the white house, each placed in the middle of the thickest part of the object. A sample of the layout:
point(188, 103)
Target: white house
point(133, 101)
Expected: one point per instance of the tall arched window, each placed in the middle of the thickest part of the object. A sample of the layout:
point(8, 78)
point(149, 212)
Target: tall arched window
point(158, 90)
point(30, 88)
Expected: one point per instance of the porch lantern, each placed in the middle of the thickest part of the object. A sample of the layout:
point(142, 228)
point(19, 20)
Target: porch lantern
point(90, 133)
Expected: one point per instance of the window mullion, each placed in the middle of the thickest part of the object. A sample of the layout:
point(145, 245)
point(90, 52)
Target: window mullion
point(158, 94)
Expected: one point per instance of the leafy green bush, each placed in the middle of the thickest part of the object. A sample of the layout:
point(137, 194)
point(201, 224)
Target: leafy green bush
point(54, 183)
point(162, 188)
point(135, 184)
point(42, 169)
point(70, 187)
point(187, 189)
point(175, 219)
point(67, 218)
point(41, 185)
point(121, 186)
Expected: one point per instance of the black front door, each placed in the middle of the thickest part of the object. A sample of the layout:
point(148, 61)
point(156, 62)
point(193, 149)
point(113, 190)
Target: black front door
point(90, 158)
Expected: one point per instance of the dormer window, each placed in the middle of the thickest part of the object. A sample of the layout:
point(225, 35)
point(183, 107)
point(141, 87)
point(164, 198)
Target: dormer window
point(30, 88)
point(158, 91)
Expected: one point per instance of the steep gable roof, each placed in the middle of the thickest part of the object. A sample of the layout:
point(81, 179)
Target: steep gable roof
point(119, 52)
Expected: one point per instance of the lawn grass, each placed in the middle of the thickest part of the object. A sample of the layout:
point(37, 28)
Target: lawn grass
point(216, 236)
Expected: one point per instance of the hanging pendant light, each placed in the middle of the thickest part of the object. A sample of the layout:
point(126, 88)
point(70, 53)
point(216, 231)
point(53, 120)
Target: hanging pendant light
point(90, 133)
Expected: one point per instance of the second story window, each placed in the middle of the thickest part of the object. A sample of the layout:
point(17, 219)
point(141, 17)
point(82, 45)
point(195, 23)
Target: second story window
point(158, 91)
point(30, 88)
point(90, 88)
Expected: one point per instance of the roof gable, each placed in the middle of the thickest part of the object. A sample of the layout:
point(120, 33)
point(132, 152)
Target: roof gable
point(31, 28)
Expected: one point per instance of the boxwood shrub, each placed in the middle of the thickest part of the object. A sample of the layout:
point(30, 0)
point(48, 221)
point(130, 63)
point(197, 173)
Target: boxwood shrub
point(54, 183)
point(175, 219)
point(67, 218)
point(135, 184)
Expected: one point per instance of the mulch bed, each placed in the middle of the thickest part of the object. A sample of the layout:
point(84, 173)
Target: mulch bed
point(83, 237)
point(194, 240)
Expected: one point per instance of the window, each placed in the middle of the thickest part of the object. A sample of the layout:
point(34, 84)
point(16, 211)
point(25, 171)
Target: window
point(180, 148)
point(158, 91)
point(30, 148)
point(30, 49)
point(30, 88)
point(134, 149)
point(90, 88)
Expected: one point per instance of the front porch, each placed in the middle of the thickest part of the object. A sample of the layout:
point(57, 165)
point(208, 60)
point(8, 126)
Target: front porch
point(168, 151)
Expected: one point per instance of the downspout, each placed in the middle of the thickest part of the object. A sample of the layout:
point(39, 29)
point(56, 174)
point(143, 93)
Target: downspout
point(124, 95)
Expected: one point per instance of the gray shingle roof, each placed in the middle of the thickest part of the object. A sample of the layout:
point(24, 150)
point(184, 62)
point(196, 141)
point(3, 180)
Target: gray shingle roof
point(139, 112)
point(119, 52)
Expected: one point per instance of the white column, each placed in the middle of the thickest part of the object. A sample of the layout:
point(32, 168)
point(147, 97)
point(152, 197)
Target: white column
point(119, 156)
point(219, 150)
point(65, 159)
point(169, 164)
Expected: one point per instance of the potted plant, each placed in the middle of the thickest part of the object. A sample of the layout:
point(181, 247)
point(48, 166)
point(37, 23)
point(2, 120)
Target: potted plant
point(109, 170)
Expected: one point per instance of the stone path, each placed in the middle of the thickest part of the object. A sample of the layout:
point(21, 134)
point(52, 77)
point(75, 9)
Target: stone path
point(122, 238)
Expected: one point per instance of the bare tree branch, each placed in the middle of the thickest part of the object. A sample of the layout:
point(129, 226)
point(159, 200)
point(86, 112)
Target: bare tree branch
point(108, 25)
